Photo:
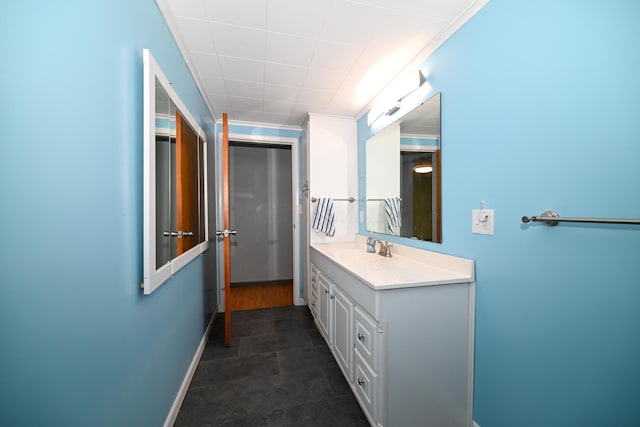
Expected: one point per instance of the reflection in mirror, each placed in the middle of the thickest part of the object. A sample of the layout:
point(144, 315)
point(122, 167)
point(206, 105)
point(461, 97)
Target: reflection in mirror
point(403, 176)
point(175, 202)
point(166, 247)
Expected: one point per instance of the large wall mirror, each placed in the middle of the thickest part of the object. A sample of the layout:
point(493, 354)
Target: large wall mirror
point(175, 193)
point(403, 188)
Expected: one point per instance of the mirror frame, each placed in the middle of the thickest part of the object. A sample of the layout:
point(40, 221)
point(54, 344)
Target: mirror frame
point(154, 275)
point(437, 173)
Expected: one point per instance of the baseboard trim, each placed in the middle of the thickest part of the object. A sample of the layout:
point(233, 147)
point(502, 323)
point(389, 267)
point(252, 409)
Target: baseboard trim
point(475, 424)
point(182, 392)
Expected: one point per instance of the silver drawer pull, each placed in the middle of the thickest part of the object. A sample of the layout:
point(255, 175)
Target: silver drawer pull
point(360, 337)
point(360, 382)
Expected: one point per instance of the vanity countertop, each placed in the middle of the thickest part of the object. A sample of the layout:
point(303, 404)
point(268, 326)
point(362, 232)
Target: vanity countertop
point(407, 267)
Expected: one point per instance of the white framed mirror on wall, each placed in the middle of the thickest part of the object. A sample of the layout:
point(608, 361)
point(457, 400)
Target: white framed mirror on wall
point(175, 225)
point(403, 180)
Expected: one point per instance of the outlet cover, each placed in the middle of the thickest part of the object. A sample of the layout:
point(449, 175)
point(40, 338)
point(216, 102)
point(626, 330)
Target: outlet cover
point(482, 221)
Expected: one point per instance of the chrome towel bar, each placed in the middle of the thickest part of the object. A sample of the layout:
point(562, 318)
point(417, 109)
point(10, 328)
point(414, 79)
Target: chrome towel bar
point(553, 218)
point(350, 200)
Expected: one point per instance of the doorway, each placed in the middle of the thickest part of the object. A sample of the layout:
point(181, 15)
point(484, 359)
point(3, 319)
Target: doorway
point(260, 207)
point(287, 147)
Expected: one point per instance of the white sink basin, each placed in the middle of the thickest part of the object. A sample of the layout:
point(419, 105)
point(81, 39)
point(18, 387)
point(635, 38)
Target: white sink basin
point(406, 268)
point(385, 269)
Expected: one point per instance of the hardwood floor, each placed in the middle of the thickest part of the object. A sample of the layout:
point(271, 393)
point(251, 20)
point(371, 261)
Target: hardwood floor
point(251, 297)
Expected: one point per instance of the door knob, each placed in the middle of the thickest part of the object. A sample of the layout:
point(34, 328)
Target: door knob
point(225, 232)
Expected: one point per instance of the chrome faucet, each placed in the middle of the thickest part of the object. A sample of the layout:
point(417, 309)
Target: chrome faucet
point(371, 244)
point(385, 249)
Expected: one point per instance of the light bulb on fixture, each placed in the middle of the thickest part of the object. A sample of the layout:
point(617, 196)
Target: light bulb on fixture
point(396, 92)
point(423, 167)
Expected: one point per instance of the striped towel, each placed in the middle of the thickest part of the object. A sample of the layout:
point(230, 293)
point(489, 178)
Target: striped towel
point(324, 217)
point(392, 214)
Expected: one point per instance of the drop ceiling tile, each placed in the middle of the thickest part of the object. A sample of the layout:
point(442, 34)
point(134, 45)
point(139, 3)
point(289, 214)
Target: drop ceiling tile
point(295, 119)
point(214, 86)
point(240, 42)
point(442, 9)
point(310, 96)
point(245, 116)
point(281, 93)
point(314, 108)
point(279, 107)
point(189, 8)
point(220, 101)
point(196, 35)
point(245, 104)
point(344, 105)
point(248, 13)
point(323, 79)
point(245, 89)
point(302, 18)
point(403, 30)
point(352, 23)
point(289, 50)
point(207, 65)
point(284, 75)
point(335, 56)
point(241, 69)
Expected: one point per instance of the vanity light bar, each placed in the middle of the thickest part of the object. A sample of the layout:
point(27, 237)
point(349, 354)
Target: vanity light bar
point(407, 86)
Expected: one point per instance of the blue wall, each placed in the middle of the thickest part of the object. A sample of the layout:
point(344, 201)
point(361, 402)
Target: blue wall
point(81, 345)
point(540, 107)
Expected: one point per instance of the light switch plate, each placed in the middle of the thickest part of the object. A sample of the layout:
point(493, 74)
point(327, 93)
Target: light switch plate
point(482, 221)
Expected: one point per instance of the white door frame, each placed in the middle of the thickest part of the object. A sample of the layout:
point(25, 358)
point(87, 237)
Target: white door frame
point(295, 211)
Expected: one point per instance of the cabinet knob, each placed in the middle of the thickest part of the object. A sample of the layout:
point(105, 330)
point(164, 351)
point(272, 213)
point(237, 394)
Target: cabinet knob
point(360, 337)
point(332, 297)
point(360, 382)
point(326, 291)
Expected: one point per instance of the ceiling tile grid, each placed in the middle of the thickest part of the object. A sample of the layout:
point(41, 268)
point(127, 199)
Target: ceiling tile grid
point(273, 61)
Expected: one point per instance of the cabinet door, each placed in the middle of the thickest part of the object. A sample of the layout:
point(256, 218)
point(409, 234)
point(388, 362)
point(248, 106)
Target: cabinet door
point(342, 330)
point(324, 307)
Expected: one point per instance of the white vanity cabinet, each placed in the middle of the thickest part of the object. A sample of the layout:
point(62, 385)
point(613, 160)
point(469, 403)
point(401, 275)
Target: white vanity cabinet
point(406, 350)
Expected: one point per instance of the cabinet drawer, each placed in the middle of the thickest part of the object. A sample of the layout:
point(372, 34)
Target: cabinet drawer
point(365, 382)
point(365, 336)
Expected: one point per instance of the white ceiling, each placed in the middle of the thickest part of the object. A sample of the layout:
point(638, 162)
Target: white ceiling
point(272, 61)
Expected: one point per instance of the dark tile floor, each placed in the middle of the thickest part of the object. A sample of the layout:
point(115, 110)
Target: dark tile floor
point(277, 372)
